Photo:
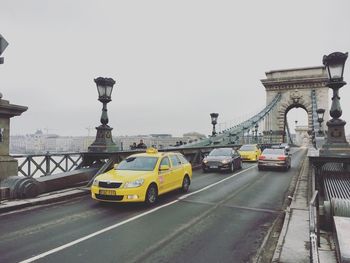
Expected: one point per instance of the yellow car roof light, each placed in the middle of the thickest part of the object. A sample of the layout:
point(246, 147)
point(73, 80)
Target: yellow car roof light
point(151, 150)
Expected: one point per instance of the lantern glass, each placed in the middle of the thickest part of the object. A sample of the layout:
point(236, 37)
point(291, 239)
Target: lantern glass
point(214, 117)
point(320, 113)
point(335, 63)
point(108, 91)
point(335, 72)
point(104, 88)
point(101, 90)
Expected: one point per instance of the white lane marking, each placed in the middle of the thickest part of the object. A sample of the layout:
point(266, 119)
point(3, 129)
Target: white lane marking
point(32, 259)
point(96, 233)
point(211, 185)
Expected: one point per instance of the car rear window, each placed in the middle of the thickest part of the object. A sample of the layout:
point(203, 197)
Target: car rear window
point(175, 160)
point(247, 148)
point(273, 151)
point(182, 158)
point(221, 152)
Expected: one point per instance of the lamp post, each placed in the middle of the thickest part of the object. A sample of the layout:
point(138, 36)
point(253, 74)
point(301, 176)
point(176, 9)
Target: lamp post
point(320, 115)
point(104, 141)
point(270, 136)
point(336, 142)
point(256, 132)
point(232, 135)
point(3, 45)
point(243, 134)
point(214, 121)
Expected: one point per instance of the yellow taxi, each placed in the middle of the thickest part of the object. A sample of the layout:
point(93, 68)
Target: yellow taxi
point(143, 177)
point(249, 152)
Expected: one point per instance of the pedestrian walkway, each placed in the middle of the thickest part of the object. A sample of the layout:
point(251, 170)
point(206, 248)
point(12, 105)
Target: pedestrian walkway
point(294, 241)
point(52, 197)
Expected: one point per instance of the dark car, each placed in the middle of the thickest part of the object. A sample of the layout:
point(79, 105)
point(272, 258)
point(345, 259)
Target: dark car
point(222, 159)
point(275, 158)
point(285, 145)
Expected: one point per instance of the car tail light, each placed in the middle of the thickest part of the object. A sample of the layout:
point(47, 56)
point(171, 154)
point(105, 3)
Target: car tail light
point(281, 158)
point(262, 157)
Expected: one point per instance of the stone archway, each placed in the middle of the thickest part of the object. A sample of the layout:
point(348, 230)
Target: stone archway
point(295, 87)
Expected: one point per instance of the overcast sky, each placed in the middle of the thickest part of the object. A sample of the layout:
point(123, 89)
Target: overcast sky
point(174, 62)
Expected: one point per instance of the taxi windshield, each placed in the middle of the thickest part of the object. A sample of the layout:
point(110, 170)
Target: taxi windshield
point(139, 163)
point(247, 148)
point(220, 152)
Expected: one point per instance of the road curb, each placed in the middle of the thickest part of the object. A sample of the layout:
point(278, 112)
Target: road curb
point(41, 200)
point(283, 233)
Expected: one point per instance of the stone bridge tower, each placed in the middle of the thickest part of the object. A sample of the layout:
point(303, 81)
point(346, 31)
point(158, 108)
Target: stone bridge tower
point(295, 86)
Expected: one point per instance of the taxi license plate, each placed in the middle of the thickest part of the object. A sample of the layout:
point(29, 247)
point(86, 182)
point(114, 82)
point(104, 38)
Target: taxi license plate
point(107, 192)
point(213, 167)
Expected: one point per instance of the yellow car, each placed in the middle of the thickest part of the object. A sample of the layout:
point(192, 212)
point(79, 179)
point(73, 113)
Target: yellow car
point(250, 152)
point(143, 177)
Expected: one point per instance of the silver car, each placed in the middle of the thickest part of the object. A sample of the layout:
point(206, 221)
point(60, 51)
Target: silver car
point(275, 158)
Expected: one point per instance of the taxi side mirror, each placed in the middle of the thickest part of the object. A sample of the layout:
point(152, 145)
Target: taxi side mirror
point(164, 167)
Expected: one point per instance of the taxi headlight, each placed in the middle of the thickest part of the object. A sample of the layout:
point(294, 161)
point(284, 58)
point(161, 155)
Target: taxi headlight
point(136, 183)
point(225, 161)
point(205, 161)
point(95, 182)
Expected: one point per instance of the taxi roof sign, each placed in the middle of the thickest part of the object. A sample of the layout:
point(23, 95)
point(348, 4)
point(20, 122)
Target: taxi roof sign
point(151, 150)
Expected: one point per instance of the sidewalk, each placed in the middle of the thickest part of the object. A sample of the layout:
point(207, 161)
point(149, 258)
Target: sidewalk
point(52, 197)
point(294, 241)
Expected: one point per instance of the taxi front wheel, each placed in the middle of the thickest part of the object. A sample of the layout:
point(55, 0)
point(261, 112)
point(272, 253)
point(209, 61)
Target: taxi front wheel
point(185, 184)
point(151, 195)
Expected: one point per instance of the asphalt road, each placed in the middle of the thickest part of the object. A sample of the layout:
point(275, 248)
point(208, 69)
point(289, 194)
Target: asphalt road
point(224, 218)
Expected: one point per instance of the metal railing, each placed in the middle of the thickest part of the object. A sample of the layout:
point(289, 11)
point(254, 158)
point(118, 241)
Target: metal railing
point(314, 229)
point(46, 164)
point(38, 165)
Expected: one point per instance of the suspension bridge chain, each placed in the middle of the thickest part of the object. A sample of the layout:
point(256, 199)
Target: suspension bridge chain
point(225, 137)
point(289, 137)
point(315, 124)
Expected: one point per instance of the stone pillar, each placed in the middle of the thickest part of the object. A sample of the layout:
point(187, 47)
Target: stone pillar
point(8, 165)
point(104, 141)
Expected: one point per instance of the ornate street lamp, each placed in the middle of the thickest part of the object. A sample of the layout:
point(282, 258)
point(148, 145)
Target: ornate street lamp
point(336, 142)
point(243, 131)
point(320, 115)
point(104, 141)
point(214, 119)
point(232, 135)
point(256, 132)
point(3, 45)
point(270, 136)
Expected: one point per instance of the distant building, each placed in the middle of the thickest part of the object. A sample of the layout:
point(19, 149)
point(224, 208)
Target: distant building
point(158, 141)
point(40, 143)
